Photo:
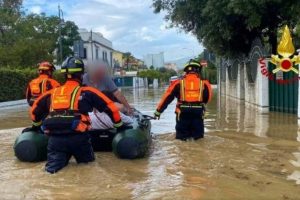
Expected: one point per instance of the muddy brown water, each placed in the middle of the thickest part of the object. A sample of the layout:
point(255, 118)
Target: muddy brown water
point(245, 155)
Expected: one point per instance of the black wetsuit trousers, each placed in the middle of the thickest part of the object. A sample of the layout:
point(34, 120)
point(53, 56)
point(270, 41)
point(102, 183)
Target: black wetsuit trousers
point(62, 148)
point(190, 125)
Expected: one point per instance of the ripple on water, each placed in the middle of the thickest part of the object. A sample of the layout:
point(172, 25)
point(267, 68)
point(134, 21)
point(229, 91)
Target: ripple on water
point(229, 163)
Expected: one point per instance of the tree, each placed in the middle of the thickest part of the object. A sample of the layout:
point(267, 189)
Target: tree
point(9, 15)
point(36, 39)
point(210, 71)
point(10, 10)
point(26, 40)
point(228, 27)
point(128, 58)
point(163, 74)
point(69, 34)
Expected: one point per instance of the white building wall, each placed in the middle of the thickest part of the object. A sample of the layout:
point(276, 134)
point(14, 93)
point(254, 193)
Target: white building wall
point(97, 47)
point(254, 94)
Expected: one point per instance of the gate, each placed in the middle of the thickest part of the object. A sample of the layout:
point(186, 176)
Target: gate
point(283, 91)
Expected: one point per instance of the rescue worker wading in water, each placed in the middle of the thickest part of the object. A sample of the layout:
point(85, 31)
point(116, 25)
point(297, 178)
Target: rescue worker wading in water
point(68, 121)
point(42, 84)
point(192, 93)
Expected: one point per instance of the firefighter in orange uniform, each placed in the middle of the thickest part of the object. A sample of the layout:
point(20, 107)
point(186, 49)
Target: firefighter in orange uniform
point(67, 108)
point(42, 84)
point(192, 94)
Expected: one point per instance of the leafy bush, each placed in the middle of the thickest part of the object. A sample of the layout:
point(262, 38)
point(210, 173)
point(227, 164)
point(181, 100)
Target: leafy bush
point(14, 82)
point(210, 74)
point(162, 74)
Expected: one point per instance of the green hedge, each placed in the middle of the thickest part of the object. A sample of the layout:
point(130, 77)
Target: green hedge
point(210, 74)
point(14, 82)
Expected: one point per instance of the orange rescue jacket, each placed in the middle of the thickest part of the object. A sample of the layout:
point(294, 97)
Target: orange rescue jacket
point(190, 89)
point(64, 103)
point(39, 86)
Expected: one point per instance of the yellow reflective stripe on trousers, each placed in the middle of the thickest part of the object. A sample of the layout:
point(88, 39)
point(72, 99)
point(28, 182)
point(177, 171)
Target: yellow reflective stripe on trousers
point(74, 94)
point(182, 90)
point(191, 106)
point(200, 90)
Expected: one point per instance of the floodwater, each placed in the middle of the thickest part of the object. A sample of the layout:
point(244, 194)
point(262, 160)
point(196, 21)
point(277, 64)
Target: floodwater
point(245, 155)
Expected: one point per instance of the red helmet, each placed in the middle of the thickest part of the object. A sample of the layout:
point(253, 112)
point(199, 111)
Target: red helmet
point(46, 66)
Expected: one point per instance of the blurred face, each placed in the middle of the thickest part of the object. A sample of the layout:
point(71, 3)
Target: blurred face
point(98, 74)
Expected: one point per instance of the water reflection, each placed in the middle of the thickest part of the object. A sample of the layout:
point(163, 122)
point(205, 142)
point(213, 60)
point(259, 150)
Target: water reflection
point(245, 155)
point(236, 116)
point(239, 117)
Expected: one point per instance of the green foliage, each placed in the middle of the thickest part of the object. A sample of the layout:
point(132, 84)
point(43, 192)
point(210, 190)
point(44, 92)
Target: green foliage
point(166, 74)
point(26, 40)
point(69, 34)
point(163, 74)
point(14, 82)
point(228, 27)
point(209, 72)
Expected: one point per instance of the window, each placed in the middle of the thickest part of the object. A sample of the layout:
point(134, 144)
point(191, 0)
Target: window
point(97, 53)
point(104, 55)
point(84, 53)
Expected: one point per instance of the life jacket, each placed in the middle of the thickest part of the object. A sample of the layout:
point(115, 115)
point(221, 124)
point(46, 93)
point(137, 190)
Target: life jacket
point(39, 86)
point(191, 95)
point(191, 89)
point(65, 116)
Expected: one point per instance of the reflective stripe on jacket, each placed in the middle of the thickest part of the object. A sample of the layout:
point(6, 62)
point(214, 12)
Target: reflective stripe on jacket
point(39, 86)
point(191, 89)
point(72, 100)
point(186, 90)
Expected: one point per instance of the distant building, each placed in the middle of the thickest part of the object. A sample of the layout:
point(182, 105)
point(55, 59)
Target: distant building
point(155, 60)
point(171, 66)
point(96, 47)
point(118, 59)
point(126, 61)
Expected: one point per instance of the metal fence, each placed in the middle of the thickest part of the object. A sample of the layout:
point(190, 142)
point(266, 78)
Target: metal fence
point(231, 66)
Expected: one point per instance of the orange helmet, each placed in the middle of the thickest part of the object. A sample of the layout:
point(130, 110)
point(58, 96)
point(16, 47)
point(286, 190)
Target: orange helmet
point(46, 66)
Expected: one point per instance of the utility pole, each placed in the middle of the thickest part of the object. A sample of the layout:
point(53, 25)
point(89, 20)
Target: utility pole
point(91, 41)
point(60, 15)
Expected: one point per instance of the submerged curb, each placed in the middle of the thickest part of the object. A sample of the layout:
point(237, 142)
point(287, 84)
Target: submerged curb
point(9, 104)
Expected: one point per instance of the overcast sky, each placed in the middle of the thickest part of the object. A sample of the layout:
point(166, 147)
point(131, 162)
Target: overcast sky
point(130, 24)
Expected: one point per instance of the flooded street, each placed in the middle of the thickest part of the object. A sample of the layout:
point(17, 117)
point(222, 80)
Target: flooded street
point(245, 155)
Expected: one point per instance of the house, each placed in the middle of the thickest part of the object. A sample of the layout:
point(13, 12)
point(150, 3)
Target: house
point(118, 59)
point(96, 47)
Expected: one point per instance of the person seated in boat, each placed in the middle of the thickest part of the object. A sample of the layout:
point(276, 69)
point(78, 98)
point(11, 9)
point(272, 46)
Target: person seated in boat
point(192, 93)
point(68, 122)
point(102, 121)
point(43, 83)
point(97, 76)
